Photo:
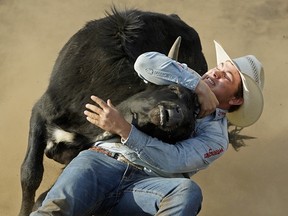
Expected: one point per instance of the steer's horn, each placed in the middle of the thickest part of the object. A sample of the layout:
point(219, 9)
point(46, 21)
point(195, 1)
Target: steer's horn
point(173, 53)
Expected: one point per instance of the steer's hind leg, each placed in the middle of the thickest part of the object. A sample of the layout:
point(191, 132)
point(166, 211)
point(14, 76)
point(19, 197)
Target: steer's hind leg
point(32, 166)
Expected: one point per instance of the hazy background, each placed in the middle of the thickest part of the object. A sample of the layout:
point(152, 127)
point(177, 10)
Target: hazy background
point(252, 181)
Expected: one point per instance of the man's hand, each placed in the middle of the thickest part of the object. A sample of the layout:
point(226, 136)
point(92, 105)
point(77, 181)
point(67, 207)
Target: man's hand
point(206, 98)
point(107, 117)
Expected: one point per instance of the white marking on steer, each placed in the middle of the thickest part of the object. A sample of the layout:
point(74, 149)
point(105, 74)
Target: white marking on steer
point(62, 136)
point(49, 145)
point(59, 135)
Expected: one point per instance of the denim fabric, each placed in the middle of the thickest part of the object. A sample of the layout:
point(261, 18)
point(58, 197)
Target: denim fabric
point(208, 143)
point(94, 183)
point(159, 69)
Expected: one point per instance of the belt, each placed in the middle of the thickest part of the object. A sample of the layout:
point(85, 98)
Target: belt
point(116, 156)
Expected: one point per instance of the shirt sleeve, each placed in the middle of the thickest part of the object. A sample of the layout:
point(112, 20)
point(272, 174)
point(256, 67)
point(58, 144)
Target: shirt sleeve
point(189, 155)
point(159, 69)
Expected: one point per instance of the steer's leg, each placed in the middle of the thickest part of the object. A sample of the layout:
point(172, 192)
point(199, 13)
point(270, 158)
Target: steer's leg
point(32, 166)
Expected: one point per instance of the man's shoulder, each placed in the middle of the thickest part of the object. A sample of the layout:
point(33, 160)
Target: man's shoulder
point(212, 124)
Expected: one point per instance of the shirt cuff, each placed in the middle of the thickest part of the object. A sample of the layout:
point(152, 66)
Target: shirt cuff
point(136, 140)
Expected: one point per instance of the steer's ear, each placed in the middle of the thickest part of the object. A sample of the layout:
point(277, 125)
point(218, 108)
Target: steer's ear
point(174, 51)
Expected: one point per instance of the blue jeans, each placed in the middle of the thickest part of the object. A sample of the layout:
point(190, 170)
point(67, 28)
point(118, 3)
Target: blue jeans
point(94, 183)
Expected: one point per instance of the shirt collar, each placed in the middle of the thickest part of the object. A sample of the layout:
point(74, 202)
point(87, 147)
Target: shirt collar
point(219, 113)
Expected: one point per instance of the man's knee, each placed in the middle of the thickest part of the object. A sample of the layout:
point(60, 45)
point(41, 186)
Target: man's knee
point(191, 195)
point(184, 199)
point(191, 190)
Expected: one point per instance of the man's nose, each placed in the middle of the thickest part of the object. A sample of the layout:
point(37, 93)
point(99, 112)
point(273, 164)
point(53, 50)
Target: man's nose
point(218, 74)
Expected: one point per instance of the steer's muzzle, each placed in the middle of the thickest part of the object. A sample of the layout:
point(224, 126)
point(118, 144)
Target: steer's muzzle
point(166, 117)
point(171, 116)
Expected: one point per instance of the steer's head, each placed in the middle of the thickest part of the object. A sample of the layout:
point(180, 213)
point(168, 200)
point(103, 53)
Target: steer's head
point(165, 112)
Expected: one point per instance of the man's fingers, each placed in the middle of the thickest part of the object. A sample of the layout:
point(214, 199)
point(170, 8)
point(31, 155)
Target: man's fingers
point(91, 115)
point(99, 101)
point(202, 114)
point(205, 112)
point(94, 108)
point(92, 118)
point(109, 103)
point(93, 121)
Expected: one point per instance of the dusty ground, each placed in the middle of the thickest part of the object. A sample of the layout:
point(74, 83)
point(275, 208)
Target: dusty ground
point(252, 181)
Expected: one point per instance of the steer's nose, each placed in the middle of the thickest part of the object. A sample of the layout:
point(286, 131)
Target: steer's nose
point(174, 116)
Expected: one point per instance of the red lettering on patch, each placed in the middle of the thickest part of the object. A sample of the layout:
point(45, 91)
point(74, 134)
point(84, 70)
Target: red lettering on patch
point(213, 153)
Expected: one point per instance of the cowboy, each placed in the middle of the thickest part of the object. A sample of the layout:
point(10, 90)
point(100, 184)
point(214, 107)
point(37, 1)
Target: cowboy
point(152, 179)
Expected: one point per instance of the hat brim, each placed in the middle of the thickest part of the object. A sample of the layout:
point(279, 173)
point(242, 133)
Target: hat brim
point(252, 107)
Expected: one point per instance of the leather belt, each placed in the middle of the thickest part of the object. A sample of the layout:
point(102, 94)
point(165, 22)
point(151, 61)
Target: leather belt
point(116, 156)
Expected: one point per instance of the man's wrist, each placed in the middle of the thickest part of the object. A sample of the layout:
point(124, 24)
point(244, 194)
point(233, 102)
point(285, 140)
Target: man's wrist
point(201, 87)
point(125, 131)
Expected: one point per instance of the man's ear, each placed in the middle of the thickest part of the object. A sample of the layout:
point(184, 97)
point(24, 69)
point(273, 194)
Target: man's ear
point(236, 101)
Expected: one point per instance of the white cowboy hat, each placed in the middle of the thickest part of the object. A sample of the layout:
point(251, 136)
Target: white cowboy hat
point(252, 76)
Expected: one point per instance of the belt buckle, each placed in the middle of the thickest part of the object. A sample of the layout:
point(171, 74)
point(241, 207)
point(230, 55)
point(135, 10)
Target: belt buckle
point(114, 155)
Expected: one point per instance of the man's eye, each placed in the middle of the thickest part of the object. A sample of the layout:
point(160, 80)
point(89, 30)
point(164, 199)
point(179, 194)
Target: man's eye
point(228, 76)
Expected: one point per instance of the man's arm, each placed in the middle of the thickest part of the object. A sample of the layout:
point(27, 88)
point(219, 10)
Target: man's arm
point(190, 155)
point(159, 69)
point(185, 156)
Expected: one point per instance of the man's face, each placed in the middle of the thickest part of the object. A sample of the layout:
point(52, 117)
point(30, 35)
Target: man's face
point(224, 81)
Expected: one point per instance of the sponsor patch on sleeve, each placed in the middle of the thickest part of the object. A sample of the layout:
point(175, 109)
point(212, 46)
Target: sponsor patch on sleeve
point(213, 152)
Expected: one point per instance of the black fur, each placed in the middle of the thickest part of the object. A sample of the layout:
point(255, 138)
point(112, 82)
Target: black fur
point(99, 60)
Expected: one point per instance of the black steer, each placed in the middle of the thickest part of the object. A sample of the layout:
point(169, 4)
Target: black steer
point(99, 60)
point(165, 112)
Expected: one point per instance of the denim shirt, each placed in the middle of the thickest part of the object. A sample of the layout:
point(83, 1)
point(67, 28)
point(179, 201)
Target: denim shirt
point(208, 142)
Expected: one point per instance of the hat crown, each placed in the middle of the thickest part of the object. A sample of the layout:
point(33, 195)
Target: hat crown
point(250, 66)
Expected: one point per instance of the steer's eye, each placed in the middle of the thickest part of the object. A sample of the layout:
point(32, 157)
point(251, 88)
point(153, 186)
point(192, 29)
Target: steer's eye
point(175, 90)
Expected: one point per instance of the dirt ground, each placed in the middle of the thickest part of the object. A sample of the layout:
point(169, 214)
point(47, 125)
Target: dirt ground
point(252, 181)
